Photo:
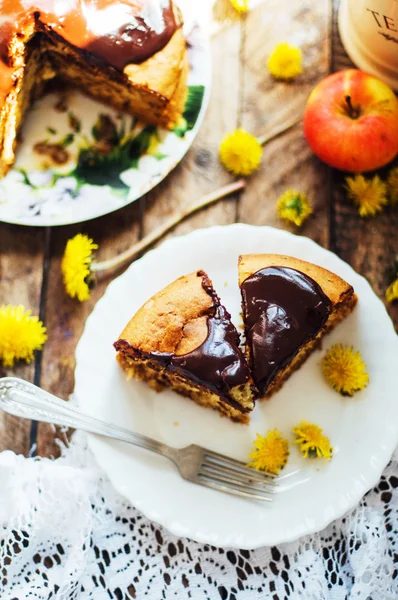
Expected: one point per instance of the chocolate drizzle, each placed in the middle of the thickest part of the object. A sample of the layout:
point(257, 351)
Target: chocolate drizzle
point(117, 32)
point(283, 310)
point(218, 363)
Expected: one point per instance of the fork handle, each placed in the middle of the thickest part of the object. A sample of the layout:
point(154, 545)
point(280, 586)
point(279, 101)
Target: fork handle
point(23, 399)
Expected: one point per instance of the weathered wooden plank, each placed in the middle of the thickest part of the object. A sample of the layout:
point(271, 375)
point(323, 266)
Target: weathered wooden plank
point(21, 259)
point(65, 318)
point(287, 162)
point(200, 172)
point(369, 245)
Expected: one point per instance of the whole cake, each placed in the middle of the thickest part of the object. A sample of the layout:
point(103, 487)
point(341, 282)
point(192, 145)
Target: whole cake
point(130, 54)
point(183, 338)
point(288, 305)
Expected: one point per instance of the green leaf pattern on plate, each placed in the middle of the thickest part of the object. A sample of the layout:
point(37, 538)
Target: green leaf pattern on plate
point(111, 150)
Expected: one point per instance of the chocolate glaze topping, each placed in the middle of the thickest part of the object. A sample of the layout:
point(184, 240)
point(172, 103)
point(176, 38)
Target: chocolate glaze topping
point(218, 363)
point(118, 32)
point(135, 40)
point(283, 310)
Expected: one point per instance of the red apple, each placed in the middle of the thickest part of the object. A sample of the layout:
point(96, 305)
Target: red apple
point(351, 121)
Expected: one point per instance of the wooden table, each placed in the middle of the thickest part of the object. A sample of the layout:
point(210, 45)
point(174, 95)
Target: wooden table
point(243, 94)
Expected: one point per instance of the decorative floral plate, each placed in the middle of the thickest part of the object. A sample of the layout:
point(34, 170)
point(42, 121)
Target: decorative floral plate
point(79, 159)
point(363, 430)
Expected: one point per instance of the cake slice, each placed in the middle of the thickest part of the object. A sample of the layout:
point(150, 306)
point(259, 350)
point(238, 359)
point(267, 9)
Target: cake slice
point(183, 338)
point(288, 305)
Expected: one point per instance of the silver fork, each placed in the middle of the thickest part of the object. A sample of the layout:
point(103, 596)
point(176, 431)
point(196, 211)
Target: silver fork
point(195, 464)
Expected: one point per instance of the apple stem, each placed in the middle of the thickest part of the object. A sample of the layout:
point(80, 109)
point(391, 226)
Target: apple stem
point(353, 112)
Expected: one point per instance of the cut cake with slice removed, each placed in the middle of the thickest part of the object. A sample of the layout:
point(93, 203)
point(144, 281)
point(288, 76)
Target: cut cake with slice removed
point(288, 305)
point(130, 55)
point(183, 338)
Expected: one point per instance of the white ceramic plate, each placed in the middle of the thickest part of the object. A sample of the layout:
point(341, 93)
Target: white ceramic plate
point(88, 184)
point(363, 429)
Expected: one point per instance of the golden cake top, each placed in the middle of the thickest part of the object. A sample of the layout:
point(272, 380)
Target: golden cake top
point(173, 320)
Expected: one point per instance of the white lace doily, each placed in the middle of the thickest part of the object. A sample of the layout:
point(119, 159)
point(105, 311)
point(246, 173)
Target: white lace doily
point(66, 534)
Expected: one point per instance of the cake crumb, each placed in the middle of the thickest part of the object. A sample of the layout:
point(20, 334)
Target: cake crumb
point(225, 283)
point(176, 423)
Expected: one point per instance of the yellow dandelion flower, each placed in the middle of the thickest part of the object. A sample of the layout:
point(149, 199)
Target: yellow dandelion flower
point(270, 453)
point(285, 61)
point(345, 370)
point(20, 334)
point(312, 442)
point(240, 152)
point(392, 184)
point(294, 207)
point(76, 264)
point(392, 291)
point(241, 6)
point(370, 195)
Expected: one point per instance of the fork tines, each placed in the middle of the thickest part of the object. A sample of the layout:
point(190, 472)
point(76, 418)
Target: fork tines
point(232, 476)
